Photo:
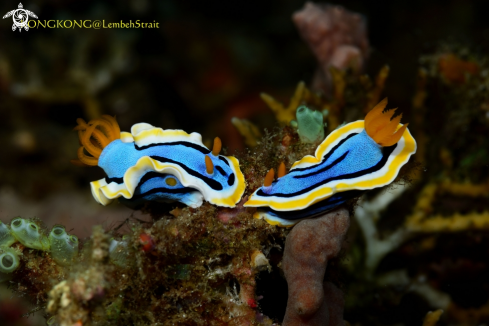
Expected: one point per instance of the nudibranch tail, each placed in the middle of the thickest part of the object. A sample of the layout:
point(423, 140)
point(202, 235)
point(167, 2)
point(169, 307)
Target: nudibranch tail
point(381, 127)
point(94, 136)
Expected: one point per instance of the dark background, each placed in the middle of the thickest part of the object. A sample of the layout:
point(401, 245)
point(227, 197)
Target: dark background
point(207, 62)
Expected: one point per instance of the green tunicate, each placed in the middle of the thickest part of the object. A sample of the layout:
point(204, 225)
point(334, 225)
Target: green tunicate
point(64, 247)
point(29, 234)
point(119, 252)
point(310, 125)
point(6, 237)
point(9, 260)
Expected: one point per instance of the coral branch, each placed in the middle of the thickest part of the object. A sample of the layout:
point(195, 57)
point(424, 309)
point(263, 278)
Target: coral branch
point(366, 214)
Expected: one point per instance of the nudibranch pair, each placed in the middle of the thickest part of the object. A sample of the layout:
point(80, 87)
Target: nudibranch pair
point(170, 165)
point(356, 157)
point(152, 164)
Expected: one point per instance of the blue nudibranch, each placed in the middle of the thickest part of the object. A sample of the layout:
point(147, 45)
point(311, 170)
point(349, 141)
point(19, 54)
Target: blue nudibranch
point(155, 164)
point(359, 156)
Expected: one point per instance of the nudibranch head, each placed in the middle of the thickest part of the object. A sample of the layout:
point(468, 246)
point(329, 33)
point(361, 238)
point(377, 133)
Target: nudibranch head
point(359, 156)
point(152, 164)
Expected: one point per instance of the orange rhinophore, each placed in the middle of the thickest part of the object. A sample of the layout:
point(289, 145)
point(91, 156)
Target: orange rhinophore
point(216, 149)
point(94, 136)
point(281, 170)
point(269, 178)
point(381, 128)
point(209, 165)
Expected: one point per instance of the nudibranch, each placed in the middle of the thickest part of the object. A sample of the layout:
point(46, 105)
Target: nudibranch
point(361, 155)
point(152, 164)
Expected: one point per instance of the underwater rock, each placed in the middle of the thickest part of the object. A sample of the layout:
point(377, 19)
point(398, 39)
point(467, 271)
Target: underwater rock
point(308, 247)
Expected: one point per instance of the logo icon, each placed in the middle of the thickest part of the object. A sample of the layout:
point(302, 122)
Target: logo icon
point(20, 17)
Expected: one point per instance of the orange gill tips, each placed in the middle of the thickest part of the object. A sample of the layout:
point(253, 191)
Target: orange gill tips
point(94, 136)
point(381, 127)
